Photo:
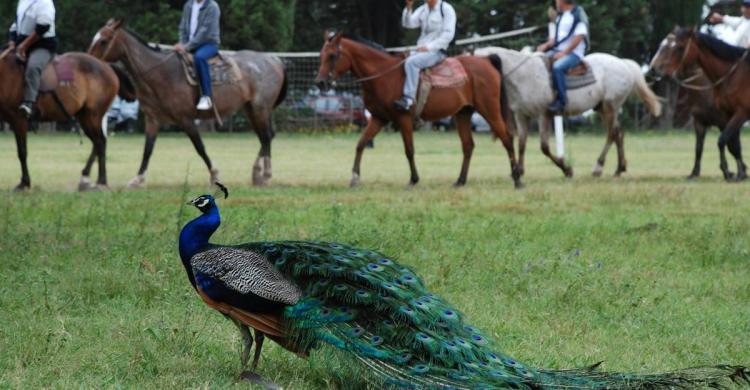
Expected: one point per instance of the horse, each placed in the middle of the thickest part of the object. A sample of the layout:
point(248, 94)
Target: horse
point(86, 95)
point(728, 69)
point(700, 100)
point(166, 97)
point(382, 77)
point(531, 92)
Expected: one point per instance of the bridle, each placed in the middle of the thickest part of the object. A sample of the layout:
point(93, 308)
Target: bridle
point(338, 54)
point(712, 85)
point(110, 45)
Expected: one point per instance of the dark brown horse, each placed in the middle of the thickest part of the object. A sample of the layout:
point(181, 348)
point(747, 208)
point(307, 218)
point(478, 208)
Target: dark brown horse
point(728, 69)
point(698, 92)
point(86, 98)
point(166, 97)
point(382, 77)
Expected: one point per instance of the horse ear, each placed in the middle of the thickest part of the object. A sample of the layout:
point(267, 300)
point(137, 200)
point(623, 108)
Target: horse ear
point(117, 23)
point(326, 35)
point(337, 38)
point(677, 29)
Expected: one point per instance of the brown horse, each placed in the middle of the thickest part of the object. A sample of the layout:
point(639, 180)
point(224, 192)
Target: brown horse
point(86, 98)
point(698, 92)
point(166, 97)
point(382, 78)
point(728, 69)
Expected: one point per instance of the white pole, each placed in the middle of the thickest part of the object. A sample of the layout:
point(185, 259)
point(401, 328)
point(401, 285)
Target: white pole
point(560, 136)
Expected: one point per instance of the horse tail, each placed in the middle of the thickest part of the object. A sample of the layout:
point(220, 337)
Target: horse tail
point(644, 91)
point(284, 89)
point(505, 110)
point(127, 89)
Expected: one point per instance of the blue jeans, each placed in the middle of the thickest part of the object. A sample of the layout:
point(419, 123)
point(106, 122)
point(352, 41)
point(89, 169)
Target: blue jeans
point(559, 70)
point(201, 56)
point(414, 64)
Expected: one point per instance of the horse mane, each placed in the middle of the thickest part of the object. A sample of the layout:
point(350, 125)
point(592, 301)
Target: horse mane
point(142, 41)
point(364, 41)
point(720, 48)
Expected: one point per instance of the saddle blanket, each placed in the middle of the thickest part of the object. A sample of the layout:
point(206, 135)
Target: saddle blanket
point(450, 73)
point(61, 71)
point(224, 70)
point(578, 77)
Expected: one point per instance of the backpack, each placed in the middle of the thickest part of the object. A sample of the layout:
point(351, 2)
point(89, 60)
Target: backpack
point(579, 16)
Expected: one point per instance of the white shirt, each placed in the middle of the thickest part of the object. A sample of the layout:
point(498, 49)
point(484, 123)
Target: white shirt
point(194, 17)
point(438, 29)
point(741, 27)
point(32, 12)
point(565, 23)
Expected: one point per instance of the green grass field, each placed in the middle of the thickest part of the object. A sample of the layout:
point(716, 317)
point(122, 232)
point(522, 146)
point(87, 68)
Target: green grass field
point(647, 273)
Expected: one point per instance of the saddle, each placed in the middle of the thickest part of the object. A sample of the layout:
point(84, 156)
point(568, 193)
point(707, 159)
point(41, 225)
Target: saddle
point(577, 77)
point(58, 72)
point(449, 73)
point(224, 70)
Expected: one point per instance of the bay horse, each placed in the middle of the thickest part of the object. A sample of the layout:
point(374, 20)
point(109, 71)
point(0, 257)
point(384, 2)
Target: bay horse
point(86, 98)
point(700, 99)
point(382, 77)
point(530, 90)
point(728, 69)
point(166, 97)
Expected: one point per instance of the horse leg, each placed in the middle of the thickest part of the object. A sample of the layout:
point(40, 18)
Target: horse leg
point(264, 130)
point(523, 125)
point(85, 183)
point(373, 127)
point(731, 131)
point(152, 128)
point(544, 135)
point(622, 163)
point(700, 140)
point(20, 130)
point(735, 148)
point(195, 138)
point(463, 123)
point(407, 134)
point(92, 126)
point(608, 117)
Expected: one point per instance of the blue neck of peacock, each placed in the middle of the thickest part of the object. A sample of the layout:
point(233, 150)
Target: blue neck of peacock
point(194, 238)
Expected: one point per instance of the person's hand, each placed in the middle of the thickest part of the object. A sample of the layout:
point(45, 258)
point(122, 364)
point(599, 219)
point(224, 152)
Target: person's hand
point(559, 55)
point(21, 54)
point(542, 47)
point(422, 49)
point(716, 18)
point(11, 45)
point(179, 48)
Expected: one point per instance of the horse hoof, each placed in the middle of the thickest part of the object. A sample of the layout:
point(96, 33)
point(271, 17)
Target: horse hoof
point(519, 185)
point(459, 184)
point(84, 184)
point(22, 187)
point(259, 181)
point(569, 172)
point(136, 182)
point(693, 176)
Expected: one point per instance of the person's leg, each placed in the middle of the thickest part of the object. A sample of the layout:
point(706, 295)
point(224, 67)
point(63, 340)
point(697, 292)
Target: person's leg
point(38, 60)
point(413, 65)
point(201, 57)
point(559, 70)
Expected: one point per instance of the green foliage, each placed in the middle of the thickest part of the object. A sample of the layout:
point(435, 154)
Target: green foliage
point(258, 24)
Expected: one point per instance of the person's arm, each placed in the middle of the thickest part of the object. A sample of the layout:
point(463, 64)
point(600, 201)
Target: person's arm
point(579, 35)
point(12, 36)
point(185, 25)
point(447, 33)
point(204, 31)
point(411, 18)
point(546, 45)
point(732, 21)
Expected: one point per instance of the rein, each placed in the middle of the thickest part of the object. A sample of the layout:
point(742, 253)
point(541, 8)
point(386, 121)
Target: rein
point(127, 53)
point(5, 53)
point(363, 79)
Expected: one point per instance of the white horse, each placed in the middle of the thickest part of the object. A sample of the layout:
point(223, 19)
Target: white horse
point(530, 93)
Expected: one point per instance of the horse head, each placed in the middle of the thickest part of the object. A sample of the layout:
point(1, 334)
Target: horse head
point(333, 61)
point(680, 52)
point(105, 44)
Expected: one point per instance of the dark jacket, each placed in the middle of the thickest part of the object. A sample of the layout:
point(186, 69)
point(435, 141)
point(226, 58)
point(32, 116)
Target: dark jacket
point(208, 25)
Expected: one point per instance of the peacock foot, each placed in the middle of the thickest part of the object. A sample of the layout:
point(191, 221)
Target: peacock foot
point(84, 184)
point(136, 182)
point(257, 380)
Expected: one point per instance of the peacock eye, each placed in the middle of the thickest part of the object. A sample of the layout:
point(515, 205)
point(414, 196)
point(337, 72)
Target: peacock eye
point(203, 203)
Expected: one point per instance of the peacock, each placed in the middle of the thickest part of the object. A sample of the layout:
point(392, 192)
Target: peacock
point(305, 295)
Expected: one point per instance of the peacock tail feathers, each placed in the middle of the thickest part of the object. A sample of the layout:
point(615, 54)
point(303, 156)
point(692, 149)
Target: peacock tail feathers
point(365, 303)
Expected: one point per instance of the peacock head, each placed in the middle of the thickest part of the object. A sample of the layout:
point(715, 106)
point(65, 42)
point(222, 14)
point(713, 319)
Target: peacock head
point(205, 203)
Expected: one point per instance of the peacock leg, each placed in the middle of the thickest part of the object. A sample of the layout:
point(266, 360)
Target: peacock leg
point(247, 343)
point(259, 337)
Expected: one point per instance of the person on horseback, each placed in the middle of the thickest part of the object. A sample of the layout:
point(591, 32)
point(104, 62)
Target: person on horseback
point(199, 34)
point(567, 48)
point(437, 19)
point(35, 42)
point(741, 25)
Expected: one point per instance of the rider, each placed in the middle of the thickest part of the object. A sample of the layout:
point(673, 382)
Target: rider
point(567, 47)
point(437, 19)
point(199, 34)
point(741, 24)
point(33, 37)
